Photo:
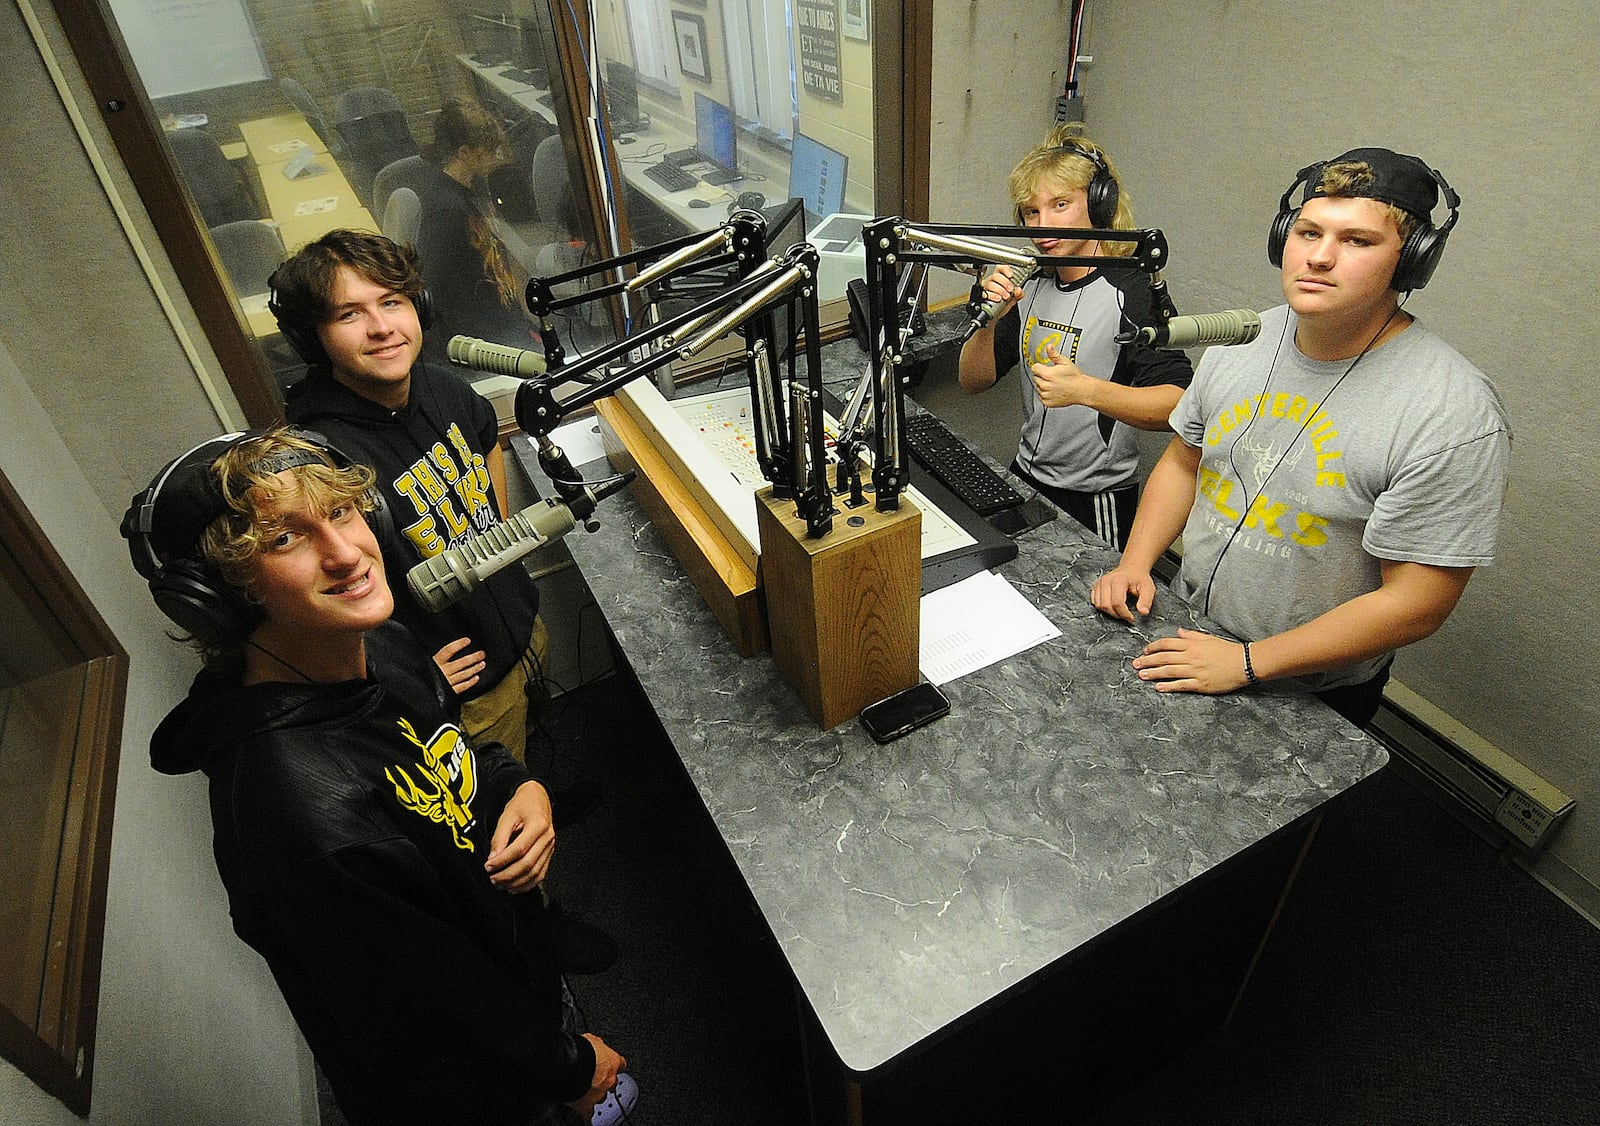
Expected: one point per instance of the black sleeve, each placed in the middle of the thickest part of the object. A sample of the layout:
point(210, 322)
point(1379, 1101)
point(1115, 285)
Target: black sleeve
point(1007, 342)
point(1141, 365)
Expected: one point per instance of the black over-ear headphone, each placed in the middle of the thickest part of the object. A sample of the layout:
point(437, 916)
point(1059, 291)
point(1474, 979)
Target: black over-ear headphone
point(1419, 254)
point(187, 589)
point(303, 337)
point(1102, 190)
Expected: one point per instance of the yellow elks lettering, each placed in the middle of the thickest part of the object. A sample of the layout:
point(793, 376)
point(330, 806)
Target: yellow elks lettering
point(1264, 515)
point(473, 486)
point(425, 534)
point(1213, 486)
point(470, 457)
point(456, 523)
point(407, 486)
point(473, 489)
point(1310, 533)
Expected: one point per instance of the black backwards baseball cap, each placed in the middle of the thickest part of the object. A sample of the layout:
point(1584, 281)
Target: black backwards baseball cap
point(186, 496)
point(1401, 180)
point(165, 522)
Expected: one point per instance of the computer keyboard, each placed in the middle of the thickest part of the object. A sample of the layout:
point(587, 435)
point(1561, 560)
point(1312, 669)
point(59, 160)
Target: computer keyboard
point(956, 467)
point(671, 177)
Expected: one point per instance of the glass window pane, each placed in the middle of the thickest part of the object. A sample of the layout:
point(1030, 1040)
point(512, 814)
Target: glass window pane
point(747, 101)
point(287, 121)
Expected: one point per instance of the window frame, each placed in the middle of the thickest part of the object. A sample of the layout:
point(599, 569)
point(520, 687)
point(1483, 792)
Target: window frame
point(55, 1047)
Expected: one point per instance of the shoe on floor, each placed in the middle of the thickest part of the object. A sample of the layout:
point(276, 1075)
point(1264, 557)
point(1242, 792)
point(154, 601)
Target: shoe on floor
point(619, 1102)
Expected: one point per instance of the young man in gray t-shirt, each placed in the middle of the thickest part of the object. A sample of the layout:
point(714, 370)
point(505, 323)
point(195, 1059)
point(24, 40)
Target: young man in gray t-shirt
point(1337, 480)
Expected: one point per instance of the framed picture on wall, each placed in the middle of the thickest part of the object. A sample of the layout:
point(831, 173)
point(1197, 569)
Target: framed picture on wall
point(854, 15)
point(690, 32)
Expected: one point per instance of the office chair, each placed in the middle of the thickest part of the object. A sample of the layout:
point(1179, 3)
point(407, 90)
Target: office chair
point(218, 189)
point(402, 216)
point(372, 124)
point(250, 250)
point(552, 188)
point(408, 172)
point(312, 112)
point(560, 246)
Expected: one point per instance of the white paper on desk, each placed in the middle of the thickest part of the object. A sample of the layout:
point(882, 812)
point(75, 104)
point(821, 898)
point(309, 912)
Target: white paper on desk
point(974, 623)
point(580, 439)
point(316, 206)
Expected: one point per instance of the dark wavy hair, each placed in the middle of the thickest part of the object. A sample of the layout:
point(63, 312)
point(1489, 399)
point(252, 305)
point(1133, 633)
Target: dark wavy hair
point(302, 288)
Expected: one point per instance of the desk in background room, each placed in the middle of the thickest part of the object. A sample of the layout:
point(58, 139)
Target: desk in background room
point(279, 137)
point(766, 171)
point(499, 83)
point(302, 207)
point(1065, 826)
point(312, 203)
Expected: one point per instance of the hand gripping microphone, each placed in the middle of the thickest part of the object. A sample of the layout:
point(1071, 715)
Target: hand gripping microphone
point(502, 359)
point(986, 312)
point(456, 572)
point(1235, 326)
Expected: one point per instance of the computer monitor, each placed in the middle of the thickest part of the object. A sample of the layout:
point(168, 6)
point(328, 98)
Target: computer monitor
point(714, 136)
point(622, 96)
point(817, 176)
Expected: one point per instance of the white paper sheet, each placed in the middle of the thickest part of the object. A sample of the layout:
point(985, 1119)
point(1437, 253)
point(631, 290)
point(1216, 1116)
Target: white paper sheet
point(976, 622)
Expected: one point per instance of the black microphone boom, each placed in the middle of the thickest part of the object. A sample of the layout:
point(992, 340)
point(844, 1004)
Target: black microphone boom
point(1234, 326)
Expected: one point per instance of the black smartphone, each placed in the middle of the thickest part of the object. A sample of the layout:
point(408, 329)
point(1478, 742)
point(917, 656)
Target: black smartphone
point(1024, 517)
point(893, 716)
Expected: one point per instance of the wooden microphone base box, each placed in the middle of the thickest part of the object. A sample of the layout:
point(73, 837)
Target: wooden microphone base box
point(843, 610)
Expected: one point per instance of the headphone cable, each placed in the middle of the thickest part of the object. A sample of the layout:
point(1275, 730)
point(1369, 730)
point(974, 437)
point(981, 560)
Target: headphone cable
point(1205, 607)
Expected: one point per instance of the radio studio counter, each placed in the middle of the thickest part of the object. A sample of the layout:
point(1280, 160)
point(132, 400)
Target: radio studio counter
point(1062, 818)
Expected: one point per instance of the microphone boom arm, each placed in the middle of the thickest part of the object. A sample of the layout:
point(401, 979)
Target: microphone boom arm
point(892, 243)
point(748, 304)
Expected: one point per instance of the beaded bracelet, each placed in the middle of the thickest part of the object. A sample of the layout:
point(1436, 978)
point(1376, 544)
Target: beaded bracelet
point(1249, 669)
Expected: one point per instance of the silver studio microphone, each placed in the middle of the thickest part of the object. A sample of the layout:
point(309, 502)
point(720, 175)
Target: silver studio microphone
point(1235, 326)
point(456, 572)
point(987, 311)
point(502, 359)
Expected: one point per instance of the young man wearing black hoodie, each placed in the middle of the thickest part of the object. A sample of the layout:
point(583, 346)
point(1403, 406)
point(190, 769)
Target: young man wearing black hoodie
point(353, 305)
point(377, 859)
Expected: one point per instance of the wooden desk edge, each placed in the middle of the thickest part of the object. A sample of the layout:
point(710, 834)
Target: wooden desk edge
point(729, 586)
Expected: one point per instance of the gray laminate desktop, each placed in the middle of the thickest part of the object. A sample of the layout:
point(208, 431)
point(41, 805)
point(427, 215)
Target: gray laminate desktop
point(908, 884)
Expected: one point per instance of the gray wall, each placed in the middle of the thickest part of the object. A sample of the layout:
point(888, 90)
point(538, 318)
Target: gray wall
point(96, 392)
point(1209, 108)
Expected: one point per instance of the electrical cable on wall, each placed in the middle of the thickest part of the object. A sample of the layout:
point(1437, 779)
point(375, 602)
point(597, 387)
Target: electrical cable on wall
point(1074, 40)
point(1069, 103)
